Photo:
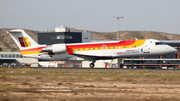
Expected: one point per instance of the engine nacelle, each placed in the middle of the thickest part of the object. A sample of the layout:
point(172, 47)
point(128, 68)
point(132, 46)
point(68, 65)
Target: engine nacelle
point(58, 48)
point(55, 48)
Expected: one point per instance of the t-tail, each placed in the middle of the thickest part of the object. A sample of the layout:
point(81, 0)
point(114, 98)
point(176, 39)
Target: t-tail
point(25, 43)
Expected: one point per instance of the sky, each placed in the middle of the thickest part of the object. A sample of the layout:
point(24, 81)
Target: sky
point(95, 15)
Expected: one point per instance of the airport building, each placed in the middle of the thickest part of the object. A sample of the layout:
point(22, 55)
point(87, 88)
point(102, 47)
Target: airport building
point(60, 64)
point(63, 35)
point(15, 59)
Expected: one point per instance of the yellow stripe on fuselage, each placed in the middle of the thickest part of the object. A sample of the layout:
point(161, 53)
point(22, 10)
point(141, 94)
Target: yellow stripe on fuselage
point(137, 43)
point(30, 52)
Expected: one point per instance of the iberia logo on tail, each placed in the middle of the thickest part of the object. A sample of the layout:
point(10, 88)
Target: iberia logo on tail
point(24, 42)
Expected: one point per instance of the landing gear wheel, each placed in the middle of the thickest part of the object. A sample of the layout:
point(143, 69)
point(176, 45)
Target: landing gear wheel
point(91, 65)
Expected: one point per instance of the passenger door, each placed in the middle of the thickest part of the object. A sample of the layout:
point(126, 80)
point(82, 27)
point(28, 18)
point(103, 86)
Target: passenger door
point(146, 48)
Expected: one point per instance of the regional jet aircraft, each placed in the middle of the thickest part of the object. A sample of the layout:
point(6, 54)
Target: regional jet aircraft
point(91, 51)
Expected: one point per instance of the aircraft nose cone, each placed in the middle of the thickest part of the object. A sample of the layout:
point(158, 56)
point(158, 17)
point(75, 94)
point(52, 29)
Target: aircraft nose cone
point(173, 50)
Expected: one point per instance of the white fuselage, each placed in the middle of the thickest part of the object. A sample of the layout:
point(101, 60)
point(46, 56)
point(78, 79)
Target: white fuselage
point(150, 47)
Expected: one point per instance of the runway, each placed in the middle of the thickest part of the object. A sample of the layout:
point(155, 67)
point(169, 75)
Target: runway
point(97, 69)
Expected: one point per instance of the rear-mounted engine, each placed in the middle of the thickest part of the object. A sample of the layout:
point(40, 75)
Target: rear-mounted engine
point(55, 48)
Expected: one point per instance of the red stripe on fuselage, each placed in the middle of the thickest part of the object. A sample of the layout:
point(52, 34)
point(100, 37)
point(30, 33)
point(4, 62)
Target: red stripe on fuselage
point(69, 50)
point(120, 43)
point(33, 49)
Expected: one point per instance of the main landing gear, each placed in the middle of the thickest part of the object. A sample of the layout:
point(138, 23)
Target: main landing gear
point(92, 64)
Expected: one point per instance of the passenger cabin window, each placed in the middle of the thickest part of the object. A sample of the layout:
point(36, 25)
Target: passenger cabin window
point(124, 46)
point(134, 46)
point(160, 43)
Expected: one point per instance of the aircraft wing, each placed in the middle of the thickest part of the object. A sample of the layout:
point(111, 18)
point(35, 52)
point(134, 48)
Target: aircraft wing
point(88, 57)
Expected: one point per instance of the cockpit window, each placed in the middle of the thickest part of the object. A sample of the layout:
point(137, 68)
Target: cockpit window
point(160, 43)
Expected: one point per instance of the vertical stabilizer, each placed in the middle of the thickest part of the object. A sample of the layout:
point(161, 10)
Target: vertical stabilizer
point(22, 39)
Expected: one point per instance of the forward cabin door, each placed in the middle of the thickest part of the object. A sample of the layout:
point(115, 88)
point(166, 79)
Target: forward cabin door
point(146, 48)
